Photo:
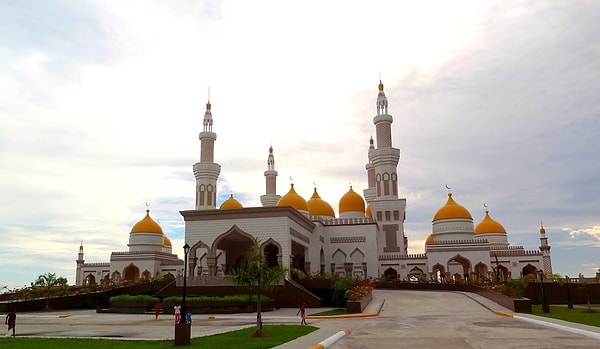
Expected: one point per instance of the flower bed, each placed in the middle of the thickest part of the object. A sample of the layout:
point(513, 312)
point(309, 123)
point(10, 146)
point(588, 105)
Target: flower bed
point(358, 306)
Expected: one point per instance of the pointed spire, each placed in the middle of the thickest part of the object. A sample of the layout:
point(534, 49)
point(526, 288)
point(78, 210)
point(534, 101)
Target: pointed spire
point(208, 121)
point(382, 103)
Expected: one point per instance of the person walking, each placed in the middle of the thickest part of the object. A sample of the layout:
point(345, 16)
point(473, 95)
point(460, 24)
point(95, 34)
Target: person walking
point(11, 321)
point(302, 312)
point(177, 312)
point(156, 310)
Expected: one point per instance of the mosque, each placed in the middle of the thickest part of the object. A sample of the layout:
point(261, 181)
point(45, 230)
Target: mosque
point(366, 240)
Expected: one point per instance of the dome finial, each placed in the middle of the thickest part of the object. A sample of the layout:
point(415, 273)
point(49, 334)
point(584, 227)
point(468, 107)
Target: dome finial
point(208, 103)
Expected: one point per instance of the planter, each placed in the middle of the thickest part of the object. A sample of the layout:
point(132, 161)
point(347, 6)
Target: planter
point(360, 305)
point(131, 307)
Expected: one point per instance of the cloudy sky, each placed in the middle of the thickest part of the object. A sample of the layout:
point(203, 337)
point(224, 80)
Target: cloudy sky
point(101, 103)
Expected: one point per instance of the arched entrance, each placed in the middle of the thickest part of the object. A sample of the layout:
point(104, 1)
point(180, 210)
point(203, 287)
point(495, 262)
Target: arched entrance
point(481, 270)
point(416, 274)
point(271, 251)
point(233, 247)
point(438, 273)
point(131, 273)
point(528, 269)
point(390, 274)
point(90, 280)
point(459, 267)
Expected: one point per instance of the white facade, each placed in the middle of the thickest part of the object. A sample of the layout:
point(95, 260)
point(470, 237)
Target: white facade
point(367, 240)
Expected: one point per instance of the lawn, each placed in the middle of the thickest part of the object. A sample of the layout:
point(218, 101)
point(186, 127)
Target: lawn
point(578, 315)
point(331, 312)
point(274, 335)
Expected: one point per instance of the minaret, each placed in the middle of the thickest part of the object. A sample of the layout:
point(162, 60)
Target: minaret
point(206, 171)
point(369, 193)
point(79, 262)
point(270, 198)
point(386, 208)
point(545, 248)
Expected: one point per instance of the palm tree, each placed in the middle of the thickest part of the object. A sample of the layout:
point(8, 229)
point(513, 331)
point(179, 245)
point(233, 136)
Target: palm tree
point(258, 278)
point(49, 281)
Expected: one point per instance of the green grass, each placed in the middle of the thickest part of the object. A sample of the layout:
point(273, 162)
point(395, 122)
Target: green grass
point(578, 315)
point(274, 335)
point(332, 312)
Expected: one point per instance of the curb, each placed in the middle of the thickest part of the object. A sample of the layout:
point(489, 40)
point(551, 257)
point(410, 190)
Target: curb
point(329, 341)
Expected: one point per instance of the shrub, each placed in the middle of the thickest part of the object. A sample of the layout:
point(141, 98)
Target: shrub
point(129, 298)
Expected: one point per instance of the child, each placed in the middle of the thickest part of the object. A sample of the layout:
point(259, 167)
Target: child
point(188, 317)
point(177, 312)
point(302, 312)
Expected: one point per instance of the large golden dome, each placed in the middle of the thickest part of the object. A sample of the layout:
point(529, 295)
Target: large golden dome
point(231, 204)
point(488, 225)
point(452, 210)
point(368, 212)
point(352, 202)
point(318, 206)
point(293, 199)
point(147, 225)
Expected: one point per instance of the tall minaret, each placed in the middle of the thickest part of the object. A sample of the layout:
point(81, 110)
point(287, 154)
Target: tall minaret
point(545, 248)
point(369, 193)
point(270, 198)
point(386, 208)
point(206, 171)
point(80, 261)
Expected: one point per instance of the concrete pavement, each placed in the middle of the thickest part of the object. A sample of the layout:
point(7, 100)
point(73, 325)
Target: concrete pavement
point(394, 319)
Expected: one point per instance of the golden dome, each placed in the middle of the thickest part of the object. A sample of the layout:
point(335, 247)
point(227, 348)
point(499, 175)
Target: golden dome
point(380, 85)
point(451, 210)
point(146, 225)
point(318, 206)
point(293, 199)
point(231, 204)
point(488, 225)
point(352, 202)
point(368, 212)
point(166, 241)
point(429, 240)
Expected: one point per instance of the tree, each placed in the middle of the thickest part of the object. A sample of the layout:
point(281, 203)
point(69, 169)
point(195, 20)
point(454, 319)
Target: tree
point(258, 278)
point(49, 281)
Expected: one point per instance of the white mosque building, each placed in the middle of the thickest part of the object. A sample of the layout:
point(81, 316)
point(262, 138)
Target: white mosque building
point(366, 240)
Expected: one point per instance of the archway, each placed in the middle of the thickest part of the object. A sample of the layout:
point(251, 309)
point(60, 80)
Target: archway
point(131, 273)
point(438, 273)
point(503, 273)
point(90, 280)
point(481, 270)
point(528, 269)
point(146, 275)
point(459, 267)
point(234, 246)
point(416, 274)
point(390, 274)
point(272, 252)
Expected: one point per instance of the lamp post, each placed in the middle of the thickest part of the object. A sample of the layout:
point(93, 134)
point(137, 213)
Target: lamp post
point(186, 250)
point(183, 329)
point(545, 306)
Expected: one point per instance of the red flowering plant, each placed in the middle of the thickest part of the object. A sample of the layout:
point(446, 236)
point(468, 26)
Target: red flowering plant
point(359, 290)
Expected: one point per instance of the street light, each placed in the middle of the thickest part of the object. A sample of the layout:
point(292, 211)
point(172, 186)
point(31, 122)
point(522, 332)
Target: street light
point(545, 306)
point(182, 329)
point(186, 250)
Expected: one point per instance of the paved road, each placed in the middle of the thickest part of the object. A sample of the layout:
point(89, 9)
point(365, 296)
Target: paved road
point(449, 320)
point(407, 319)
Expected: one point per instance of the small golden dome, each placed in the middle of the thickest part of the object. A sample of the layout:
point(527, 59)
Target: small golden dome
point(352, 202)
point(147, 225)
point(166, 241)
point(542, 230)
point(429, 240)
point(318, 206)
point(452, 210)
point(488, 225)
point(208, 106)
point(368, 212)
point(380, 85)
point(293, 199)
point(231, 204)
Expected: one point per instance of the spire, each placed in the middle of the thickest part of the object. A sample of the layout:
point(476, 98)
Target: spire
point(270, 198)
point(382, 103)
point(271, 160)
point(208, 115)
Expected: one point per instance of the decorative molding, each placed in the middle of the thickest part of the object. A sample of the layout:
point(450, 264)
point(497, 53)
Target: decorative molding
point(347, 239)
